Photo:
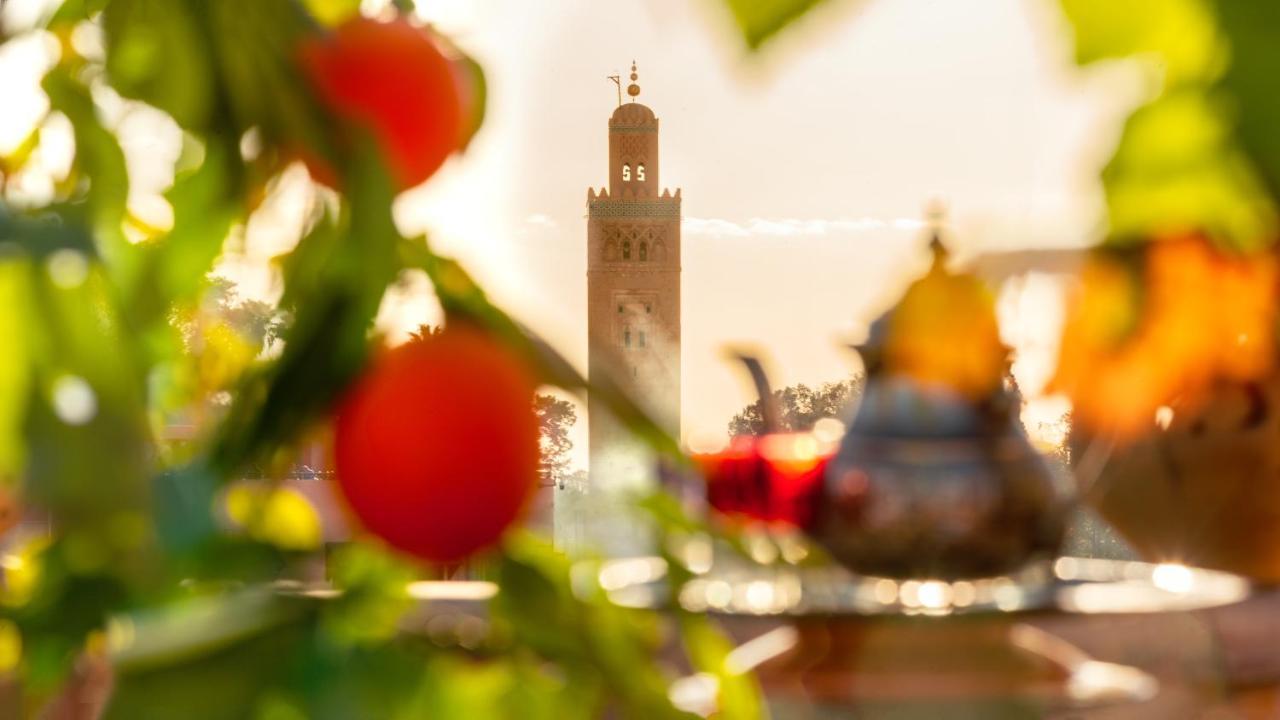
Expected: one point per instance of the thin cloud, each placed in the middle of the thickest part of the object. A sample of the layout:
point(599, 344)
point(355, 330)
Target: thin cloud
point(793, 227)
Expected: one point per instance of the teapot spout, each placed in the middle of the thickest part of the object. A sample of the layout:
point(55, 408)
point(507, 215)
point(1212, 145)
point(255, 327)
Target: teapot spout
point(869, 354)
point(768, 406)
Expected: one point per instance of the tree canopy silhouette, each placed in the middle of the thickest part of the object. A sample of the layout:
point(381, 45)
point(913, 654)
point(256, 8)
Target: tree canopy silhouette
point(799, 406)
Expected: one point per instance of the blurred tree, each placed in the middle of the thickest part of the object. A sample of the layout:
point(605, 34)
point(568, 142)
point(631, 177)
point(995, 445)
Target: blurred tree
point(258, 322)
point(800, 406)
point(425, 331)
point(555, 418)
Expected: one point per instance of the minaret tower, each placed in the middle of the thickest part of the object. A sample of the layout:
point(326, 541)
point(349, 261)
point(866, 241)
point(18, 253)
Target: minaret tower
point(633, 291)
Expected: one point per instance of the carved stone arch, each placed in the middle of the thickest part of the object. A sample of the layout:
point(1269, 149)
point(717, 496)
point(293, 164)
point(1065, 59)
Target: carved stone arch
point(611, 244)
point(631, 235)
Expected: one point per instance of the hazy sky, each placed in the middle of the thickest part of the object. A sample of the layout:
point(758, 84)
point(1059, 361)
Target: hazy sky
point(804, 171)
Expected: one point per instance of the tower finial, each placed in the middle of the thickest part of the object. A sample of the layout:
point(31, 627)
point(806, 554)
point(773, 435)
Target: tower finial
point(633, 89)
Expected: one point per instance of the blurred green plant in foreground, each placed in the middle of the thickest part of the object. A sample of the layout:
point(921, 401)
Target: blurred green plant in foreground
point(112, 328)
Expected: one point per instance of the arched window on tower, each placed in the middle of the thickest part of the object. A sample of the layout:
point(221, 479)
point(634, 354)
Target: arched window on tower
point(644, 251)
point(626, 172)
point(641, 338)
point(626, 250)
point(640, 172)
point(626, 338)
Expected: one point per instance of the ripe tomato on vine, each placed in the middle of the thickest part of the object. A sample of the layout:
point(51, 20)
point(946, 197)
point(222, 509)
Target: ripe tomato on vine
point(392, 79)
point(436, 447)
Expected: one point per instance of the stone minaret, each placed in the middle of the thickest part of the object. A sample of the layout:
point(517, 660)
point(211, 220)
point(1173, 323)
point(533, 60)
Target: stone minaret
point(633, 301)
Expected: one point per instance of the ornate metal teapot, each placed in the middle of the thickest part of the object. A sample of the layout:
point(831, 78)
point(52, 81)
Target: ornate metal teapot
point(935, 477)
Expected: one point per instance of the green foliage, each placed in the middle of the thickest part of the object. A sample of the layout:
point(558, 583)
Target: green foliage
point(99, 160)
point(606, 653)
point(333, 12)
point(103, 347)
point(1254, 32)
point(1200, 155)
point(759, 20)
point(15, 365)
point(1178, 34)
point(157, 53)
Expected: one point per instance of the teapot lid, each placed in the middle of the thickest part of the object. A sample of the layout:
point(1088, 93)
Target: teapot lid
point(942, 330)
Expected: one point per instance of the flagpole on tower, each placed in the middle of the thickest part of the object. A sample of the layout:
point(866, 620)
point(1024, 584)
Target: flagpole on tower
point(617, 80)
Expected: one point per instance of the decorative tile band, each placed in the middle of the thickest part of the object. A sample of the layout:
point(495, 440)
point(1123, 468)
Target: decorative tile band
point(667, 207)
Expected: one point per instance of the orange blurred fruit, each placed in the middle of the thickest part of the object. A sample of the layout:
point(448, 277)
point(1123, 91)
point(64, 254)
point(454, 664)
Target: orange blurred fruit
point(392, 79)
point(436, 447)
point(1136, 339)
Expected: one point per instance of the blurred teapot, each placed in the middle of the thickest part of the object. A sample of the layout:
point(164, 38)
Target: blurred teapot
point(935, 477)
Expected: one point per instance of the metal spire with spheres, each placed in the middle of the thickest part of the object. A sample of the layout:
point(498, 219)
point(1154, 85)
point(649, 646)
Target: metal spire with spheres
point(633, 89)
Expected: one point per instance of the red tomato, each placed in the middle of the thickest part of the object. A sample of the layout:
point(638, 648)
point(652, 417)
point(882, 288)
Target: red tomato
point(437, 446)
point(391, 78)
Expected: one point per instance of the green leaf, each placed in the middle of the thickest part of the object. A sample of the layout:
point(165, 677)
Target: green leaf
point(228, 655)
point(344, 271)
point(333, 12)
point(760, 20)
point(1254, 32)
point(184, 508)
point(464, 300)
point(87, 405)
point(1178, 169)
point(256, 46)
point(70, 12)
point(17, 158)
point(99, 157)
point(595, 643)
point(374, 599)
point(1179, 36)
point(65, 608)
point(472, 86)
point(205, 202)
point(1181, 166)
point(184, 630)
point(158, 53)
point(740, 696)
point(15, 364)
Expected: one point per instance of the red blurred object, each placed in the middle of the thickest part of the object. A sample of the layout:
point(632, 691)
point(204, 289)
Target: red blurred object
point(771, 478)
point(392, 79)
point(436, 446)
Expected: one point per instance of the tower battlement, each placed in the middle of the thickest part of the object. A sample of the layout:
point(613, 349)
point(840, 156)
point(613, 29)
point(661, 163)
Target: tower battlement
point(662, 206)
